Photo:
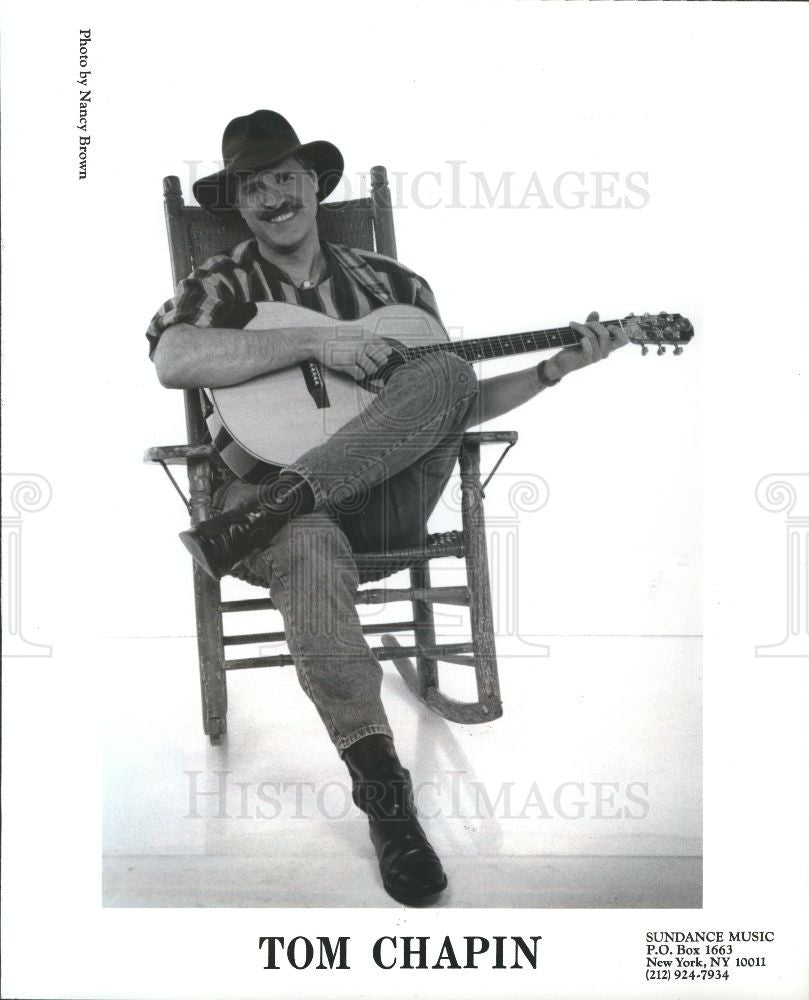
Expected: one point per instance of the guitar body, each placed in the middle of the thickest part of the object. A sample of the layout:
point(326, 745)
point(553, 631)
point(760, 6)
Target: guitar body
point(269, 422)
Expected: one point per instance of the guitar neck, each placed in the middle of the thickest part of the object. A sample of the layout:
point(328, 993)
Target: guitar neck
point(503, 347)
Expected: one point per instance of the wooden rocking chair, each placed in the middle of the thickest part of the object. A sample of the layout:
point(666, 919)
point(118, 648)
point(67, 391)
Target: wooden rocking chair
point(365, 223)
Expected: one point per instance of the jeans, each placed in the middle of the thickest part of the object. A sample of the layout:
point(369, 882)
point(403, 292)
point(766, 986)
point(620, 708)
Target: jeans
point(375, 482)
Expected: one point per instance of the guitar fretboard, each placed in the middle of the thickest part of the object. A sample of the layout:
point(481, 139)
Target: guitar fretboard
point(502, 347)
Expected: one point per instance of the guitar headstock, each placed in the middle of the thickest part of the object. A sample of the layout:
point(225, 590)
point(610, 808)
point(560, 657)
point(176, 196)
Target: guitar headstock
point(658, 329)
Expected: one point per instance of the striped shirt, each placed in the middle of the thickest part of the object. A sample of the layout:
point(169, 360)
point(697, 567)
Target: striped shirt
point(224, 290)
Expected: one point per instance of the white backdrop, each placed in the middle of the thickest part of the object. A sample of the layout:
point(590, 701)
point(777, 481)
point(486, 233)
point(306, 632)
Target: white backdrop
point(625, 447)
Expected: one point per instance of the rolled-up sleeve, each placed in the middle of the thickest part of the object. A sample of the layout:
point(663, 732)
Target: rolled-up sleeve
point(202, 299)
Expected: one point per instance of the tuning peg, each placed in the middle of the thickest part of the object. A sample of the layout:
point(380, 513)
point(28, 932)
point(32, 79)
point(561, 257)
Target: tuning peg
point(661, 349)
point(678, 349)
point(644, 349)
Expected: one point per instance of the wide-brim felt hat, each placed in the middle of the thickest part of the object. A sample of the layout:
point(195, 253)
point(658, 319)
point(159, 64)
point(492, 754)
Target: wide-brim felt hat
point(259, 140)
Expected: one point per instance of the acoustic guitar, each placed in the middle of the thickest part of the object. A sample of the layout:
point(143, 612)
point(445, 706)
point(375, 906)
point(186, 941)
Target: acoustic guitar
point(268, 422)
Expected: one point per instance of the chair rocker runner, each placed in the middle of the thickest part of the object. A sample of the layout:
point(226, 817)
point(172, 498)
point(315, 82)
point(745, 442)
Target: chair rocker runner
point(366, 223)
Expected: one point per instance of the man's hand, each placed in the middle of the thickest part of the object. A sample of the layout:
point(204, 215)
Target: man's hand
point(597, 342)
point(355, 355)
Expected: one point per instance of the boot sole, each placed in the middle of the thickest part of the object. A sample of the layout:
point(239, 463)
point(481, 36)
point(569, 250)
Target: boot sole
point(191, 542)
point(424, 900)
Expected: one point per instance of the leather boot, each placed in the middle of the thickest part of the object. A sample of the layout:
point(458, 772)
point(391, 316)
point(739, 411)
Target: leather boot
point(410, 868)
point(221, 542)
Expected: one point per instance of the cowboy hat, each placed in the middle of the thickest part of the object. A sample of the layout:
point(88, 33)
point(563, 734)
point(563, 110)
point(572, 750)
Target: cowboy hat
point(262, 139)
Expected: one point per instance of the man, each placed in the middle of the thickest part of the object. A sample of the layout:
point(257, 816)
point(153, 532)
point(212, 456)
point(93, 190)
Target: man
point(371, 486)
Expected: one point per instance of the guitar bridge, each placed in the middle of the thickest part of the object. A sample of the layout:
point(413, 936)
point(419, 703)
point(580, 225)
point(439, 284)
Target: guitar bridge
point(313, 377)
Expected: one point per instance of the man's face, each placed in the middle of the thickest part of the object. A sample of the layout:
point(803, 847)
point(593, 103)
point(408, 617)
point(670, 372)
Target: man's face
point(279, 204)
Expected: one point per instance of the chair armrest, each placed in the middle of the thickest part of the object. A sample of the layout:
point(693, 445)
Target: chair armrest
point(491, 437)
point(470, 456)
point(178, 454)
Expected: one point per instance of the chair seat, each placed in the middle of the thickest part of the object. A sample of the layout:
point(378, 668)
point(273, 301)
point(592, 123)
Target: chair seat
point(377, 565)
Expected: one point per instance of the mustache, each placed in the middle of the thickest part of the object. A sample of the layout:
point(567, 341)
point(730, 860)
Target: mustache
point(270, 213)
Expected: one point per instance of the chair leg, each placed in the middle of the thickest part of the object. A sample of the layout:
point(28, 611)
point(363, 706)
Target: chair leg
point(207, 600)
point(213, 681)
point(477, 572)
point(424, 632)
